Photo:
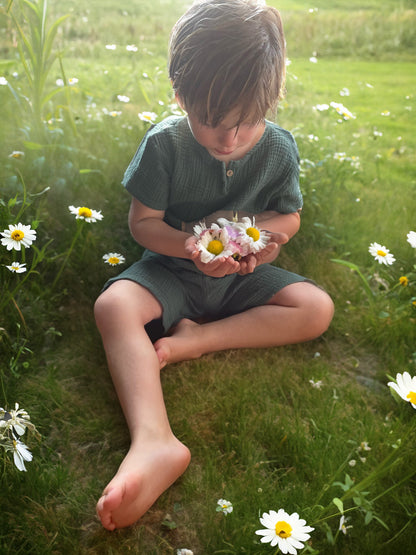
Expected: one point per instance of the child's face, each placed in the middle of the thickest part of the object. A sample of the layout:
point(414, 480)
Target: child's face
point(226, 141)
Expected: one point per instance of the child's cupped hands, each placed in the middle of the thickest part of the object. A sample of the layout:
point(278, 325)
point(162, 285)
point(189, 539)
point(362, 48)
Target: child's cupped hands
point(220, 266)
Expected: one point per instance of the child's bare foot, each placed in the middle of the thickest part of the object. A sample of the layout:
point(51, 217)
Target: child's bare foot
point(146, 472)
point(180, 345)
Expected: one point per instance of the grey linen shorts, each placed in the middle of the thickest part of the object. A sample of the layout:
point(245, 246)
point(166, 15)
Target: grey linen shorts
point(185, 292)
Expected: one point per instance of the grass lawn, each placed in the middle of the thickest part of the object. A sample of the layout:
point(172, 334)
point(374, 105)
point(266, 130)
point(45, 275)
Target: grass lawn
point(294, 427)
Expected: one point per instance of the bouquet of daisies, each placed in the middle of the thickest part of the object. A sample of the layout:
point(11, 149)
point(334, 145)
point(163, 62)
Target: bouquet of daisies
point(229, 238)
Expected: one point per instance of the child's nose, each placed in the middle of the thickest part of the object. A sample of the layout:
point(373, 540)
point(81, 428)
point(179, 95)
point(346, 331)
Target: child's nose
point(228, 138)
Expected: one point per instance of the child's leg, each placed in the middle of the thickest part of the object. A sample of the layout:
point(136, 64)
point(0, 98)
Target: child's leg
point(298, 312)
point(156, 458)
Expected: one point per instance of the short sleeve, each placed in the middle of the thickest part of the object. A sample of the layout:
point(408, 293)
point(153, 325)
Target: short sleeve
point(286, 196)
point(148, 175)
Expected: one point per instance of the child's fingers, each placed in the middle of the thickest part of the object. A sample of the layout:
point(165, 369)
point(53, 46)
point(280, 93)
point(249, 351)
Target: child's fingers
point(279, 238)
point(223, 266)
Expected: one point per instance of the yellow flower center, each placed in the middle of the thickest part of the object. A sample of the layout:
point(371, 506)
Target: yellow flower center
point(404, 281)
point(84, 212)
point(283, 529)
point(381, 253)
point(253, 232)
point(215, 247)
point(17, 235)
point(412, 397)
point(113, 260)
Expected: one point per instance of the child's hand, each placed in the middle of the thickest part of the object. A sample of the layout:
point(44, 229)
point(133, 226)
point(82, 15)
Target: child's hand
point(268, 254)
point(219, 267)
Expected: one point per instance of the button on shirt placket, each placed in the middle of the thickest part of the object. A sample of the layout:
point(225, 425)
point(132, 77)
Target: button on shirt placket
point(228, 175)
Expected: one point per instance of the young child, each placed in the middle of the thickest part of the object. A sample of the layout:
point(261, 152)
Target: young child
point(227, 67)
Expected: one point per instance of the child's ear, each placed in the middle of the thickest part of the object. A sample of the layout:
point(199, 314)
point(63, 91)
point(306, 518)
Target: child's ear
point(180, 102)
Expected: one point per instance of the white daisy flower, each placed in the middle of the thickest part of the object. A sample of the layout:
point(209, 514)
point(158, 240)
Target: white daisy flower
point(284, 530)
point(18, 419)
point(17, 267)
point(184, 552)
point(3, 81)
point(21, 454)
point(224, 506)
point(321, 107)
point(148, 117)
point(131, 48)
point(405, 387)
point(18, 235)
point(114, 259)
point(123, 98)
point(111, 46)
point(251, 236)
point(84, 213)
point(411, 238)
point(342, 110)
point(16, 154)
point(340, 156)
point(199, 229)
point(213, 243)
point(316, 385)
point(343, 525)
point(381, 254)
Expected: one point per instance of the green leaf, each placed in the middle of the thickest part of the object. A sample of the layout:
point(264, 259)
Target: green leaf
point(329, 535)
point(383, 314)
point(87, 170)
point(51, 35)
point(33, 146)
point(170, 524)
point(339, 504)
point(12, 202)
point(368, 517)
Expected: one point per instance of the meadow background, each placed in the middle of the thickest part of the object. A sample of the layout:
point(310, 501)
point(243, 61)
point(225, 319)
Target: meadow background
point(292, 427)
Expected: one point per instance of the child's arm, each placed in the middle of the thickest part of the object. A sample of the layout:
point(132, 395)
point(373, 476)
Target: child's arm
point(149, 230)
point(279, 223)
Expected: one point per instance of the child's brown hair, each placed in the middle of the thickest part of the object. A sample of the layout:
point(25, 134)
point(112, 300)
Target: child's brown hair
point(227, 54)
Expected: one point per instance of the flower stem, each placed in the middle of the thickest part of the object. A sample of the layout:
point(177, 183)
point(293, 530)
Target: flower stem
point(355, 268)
point(68, 254)
point(10, 295)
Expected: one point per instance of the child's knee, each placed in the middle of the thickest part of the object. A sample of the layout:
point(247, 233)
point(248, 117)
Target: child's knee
point(102, 308)
point(108, 304)
point(323, 312)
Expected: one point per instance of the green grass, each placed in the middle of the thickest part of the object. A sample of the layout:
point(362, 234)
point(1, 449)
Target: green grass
point(260, 434)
